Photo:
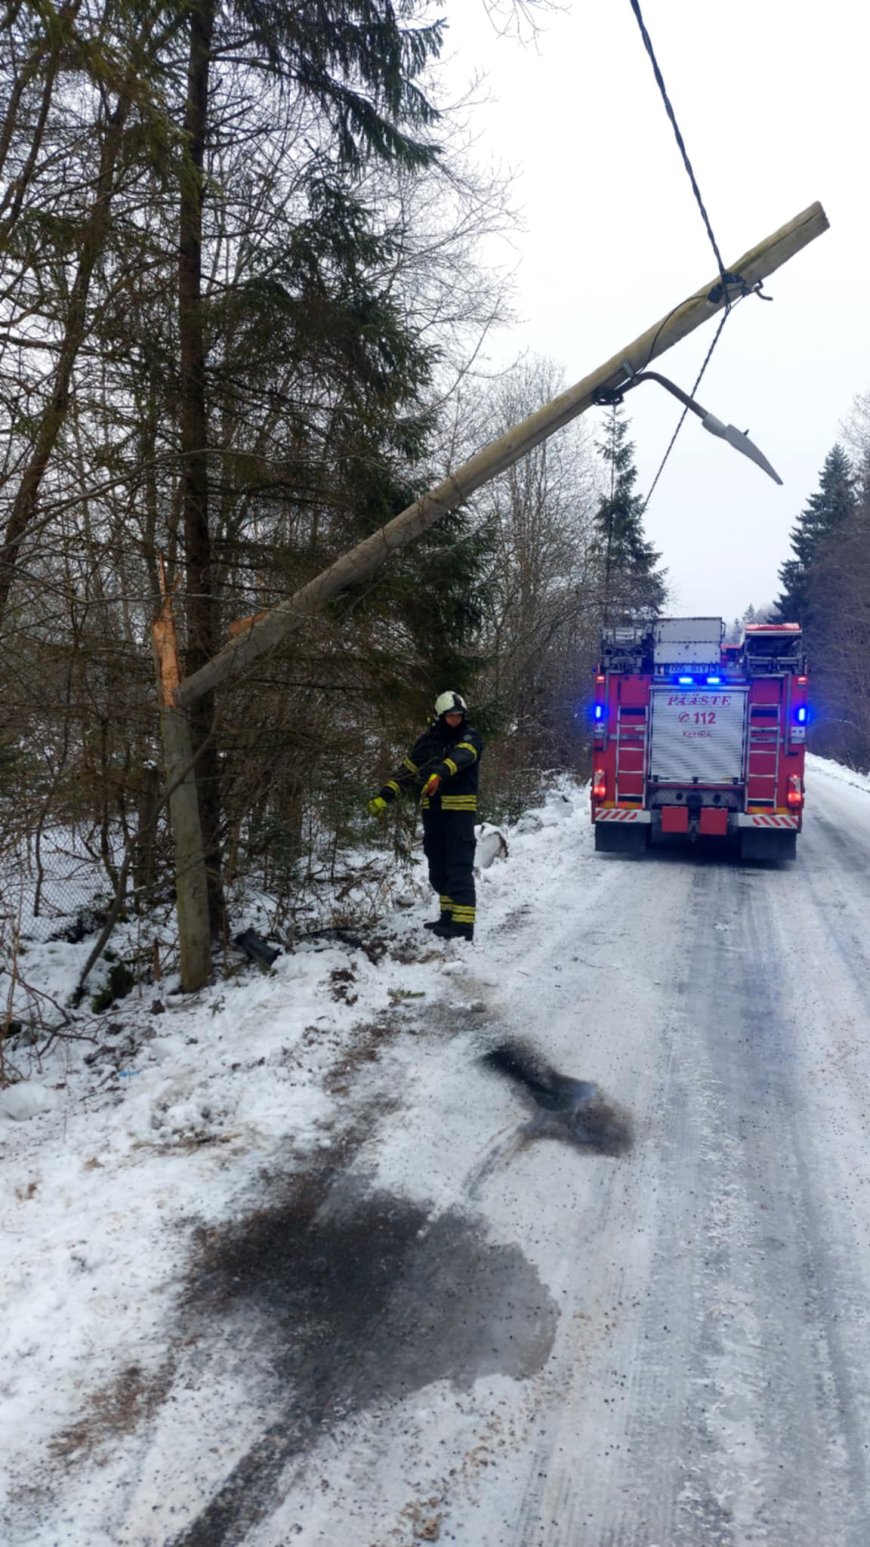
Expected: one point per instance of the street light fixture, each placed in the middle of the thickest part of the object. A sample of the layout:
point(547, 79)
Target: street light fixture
point(734, 437)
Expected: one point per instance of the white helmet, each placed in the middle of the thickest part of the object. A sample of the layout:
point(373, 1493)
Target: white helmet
point(450, 703)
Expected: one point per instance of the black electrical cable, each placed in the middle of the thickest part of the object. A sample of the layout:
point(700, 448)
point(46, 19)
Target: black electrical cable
point(722, 321)
point(723, 273)
point(728, 281)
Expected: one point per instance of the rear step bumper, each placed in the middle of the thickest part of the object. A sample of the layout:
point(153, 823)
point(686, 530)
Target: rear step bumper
point(769, 820)
point(622, 814)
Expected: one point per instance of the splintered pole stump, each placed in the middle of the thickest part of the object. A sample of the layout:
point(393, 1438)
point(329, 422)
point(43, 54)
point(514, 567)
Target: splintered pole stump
point(191, 907)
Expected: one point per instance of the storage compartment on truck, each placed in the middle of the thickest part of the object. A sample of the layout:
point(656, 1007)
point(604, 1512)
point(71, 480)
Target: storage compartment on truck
point(697, 735)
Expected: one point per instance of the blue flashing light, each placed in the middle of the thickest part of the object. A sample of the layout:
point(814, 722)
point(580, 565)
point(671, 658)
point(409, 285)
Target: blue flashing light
point(713, 682)
point(599, 711)
point(686, 681)
point(801, 715)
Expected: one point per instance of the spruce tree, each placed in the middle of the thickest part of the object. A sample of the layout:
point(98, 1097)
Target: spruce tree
point(824, 513)
point(633, 585)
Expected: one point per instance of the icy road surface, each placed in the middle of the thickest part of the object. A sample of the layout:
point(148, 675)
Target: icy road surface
point(460, 1325)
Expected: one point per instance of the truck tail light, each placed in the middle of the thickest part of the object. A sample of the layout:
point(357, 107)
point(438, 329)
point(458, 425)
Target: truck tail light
point(795, 796)
point(599, 788)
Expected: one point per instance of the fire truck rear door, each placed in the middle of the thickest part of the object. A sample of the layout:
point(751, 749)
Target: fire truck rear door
point(698, 735)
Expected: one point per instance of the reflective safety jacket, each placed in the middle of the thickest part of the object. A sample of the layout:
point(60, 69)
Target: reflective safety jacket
point(452, 752)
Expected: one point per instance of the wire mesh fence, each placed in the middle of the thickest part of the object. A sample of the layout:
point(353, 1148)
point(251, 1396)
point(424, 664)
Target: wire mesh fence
point(53, 885)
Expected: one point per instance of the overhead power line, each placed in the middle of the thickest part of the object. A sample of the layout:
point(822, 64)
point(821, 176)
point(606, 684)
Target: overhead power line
point(647, 40)
point(732, 285)
point(722, 321)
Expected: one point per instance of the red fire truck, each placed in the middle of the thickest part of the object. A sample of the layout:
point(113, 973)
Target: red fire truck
point(699, 738)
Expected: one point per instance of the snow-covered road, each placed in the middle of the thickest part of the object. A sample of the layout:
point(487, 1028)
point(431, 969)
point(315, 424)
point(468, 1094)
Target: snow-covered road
point(709, 1378)
point(430, 1320)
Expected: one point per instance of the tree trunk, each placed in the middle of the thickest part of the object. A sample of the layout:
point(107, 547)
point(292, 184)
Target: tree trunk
point(55, 412)
point(202, 638)
point(147, 812)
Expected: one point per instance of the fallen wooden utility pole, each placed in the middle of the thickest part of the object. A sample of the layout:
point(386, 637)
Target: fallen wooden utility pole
point(264, 631)
point(267, 630)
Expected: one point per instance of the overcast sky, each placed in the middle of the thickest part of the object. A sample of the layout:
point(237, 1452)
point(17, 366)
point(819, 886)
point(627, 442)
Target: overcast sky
point(772, 100)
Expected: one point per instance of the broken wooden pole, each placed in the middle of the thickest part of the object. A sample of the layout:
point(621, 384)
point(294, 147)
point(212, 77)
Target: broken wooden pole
point(191, 906)
point(267, 631)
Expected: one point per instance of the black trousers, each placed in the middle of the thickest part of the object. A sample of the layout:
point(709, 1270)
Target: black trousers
point(448, 843)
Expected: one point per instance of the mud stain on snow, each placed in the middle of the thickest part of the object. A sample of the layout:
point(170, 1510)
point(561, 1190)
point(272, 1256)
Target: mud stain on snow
point(562, 1107)
point(359, 1297)
point(117, 1408)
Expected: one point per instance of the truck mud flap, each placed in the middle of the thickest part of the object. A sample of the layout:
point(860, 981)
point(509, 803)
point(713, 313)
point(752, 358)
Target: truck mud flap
point(762, 844)
point(628, 838)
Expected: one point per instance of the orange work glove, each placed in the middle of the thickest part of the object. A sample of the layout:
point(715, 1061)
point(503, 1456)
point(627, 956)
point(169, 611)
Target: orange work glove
point(430, 788)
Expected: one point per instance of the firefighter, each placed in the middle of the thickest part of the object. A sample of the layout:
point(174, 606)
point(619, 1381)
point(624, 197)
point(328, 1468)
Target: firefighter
point(443, 768)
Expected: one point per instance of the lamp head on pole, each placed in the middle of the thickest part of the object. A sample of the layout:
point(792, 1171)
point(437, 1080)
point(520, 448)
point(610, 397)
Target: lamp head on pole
point(740, 442)
point(734, 437)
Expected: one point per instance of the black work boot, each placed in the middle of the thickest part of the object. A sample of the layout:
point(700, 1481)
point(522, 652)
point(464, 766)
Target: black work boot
point(434, 923)
point(447, 930)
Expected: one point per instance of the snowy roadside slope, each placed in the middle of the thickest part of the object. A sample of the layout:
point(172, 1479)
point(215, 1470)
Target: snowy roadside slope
point(104, 1192)
point(832, 775)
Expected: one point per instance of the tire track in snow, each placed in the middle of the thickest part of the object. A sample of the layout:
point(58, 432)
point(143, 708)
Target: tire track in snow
point(587, 1390)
